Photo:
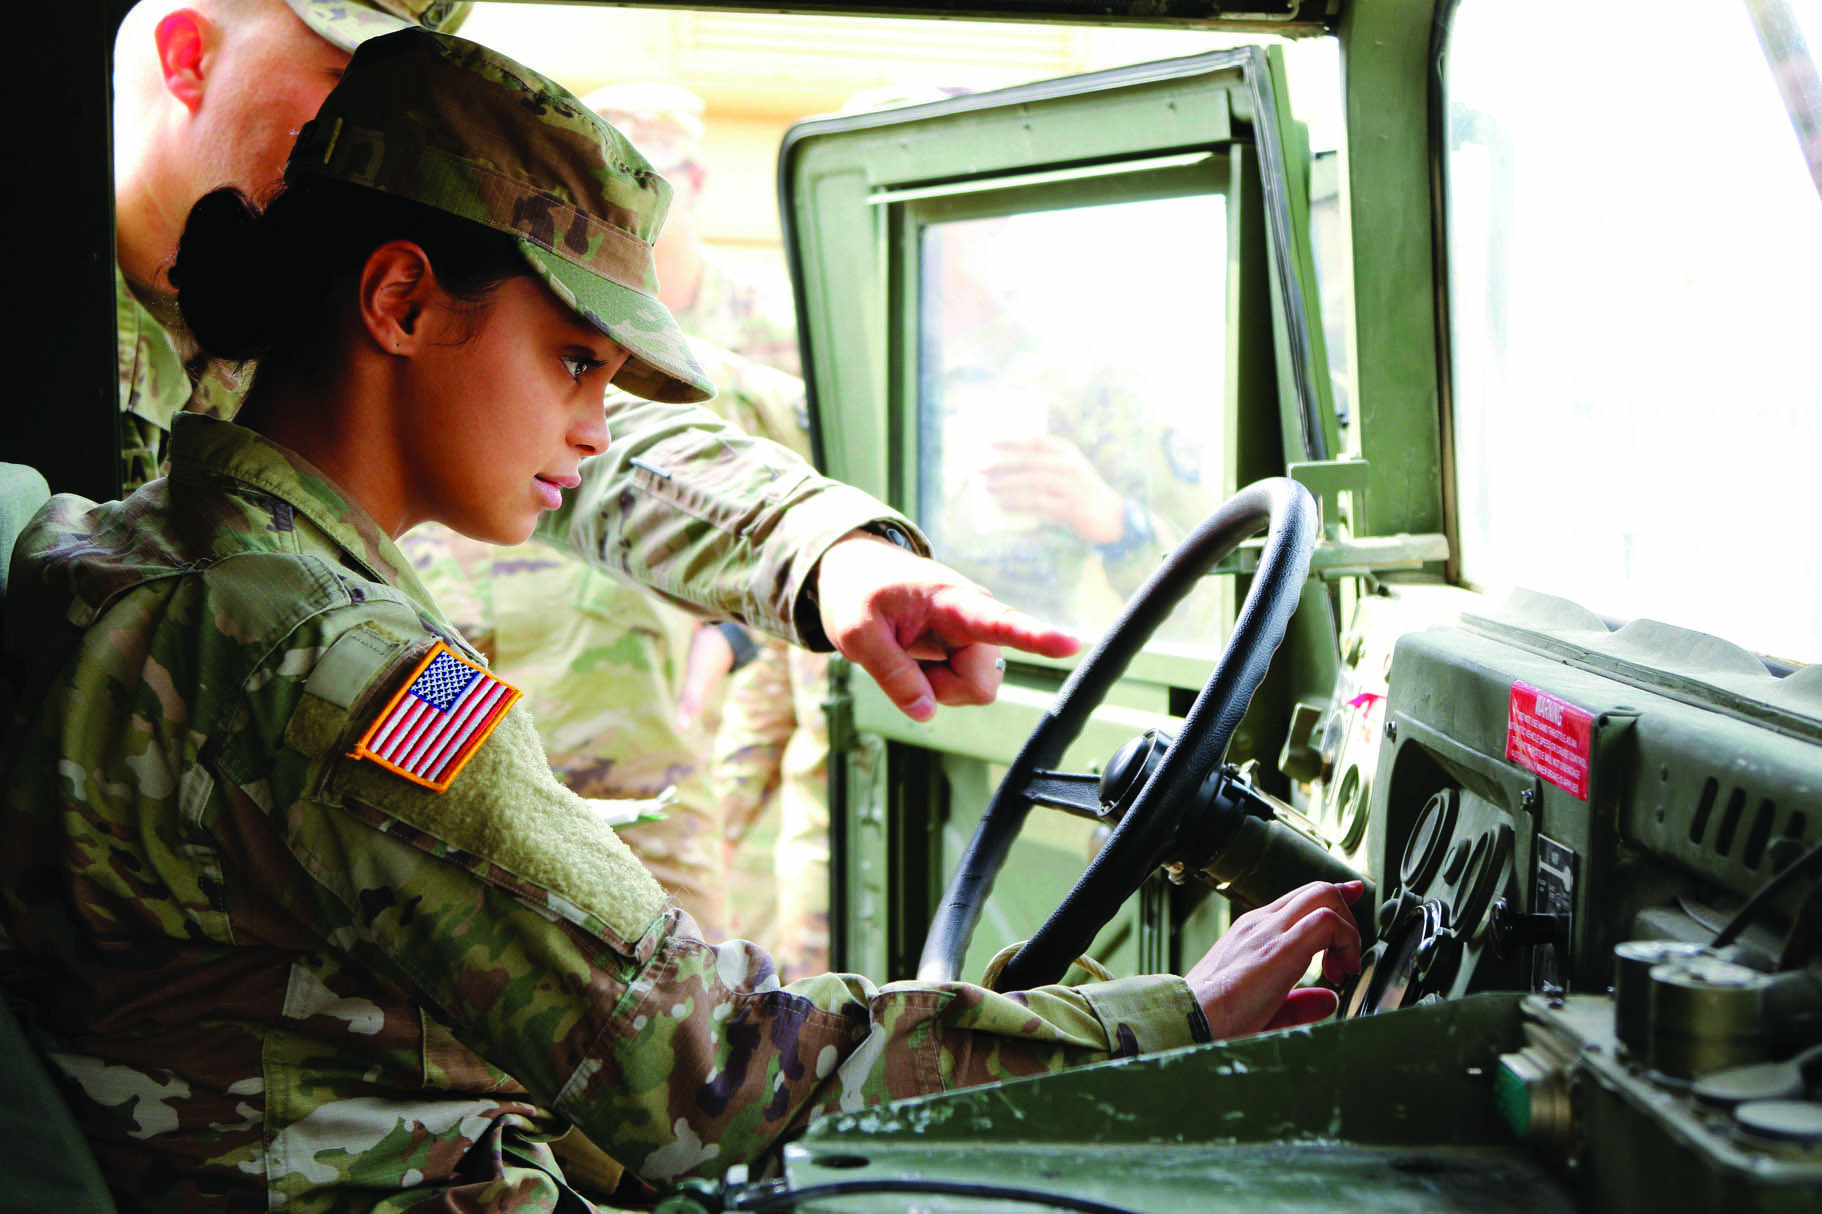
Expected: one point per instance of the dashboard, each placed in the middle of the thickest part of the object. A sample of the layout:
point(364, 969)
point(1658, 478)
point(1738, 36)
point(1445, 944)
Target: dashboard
point(1594, 986)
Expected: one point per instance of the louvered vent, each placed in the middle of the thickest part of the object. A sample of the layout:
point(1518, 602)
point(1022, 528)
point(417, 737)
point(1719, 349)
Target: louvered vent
point(1720, 833)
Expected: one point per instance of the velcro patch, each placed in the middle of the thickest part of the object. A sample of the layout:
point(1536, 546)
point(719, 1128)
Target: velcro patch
point(434, 724)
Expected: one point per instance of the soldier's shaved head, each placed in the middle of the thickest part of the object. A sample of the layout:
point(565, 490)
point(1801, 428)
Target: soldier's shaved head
point(213, 92)
point(209, 93)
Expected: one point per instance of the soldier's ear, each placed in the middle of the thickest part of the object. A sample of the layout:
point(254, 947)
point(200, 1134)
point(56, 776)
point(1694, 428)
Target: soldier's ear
point(185, 40)
point(397, 287)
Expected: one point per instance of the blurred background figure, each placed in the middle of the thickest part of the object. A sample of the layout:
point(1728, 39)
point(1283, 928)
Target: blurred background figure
point(711, 296)
point(770, 755)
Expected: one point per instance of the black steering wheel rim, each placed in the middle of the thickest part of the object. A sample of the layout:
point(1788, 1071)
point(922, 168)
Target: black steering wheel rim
point(1289, 515)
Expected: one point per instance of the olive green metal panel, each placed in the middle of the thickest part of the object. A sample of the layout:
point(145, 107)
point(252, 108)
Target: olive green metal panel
point(1397, 1112)
point(841, 180)
point(858, 191)
point(1386, 59)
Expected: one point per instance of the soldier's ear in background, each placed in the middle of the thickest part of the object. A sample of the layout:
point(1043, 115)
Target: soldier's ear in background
point(185, 40)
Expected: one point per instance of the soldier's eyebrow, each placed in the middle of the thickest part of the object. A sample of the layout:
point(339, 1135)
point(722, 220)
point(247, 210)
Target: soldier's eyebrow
point(588, 335)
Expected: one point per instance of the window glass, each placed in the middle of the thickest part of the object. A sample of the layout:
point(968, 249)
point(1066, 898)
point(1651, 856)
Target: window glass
point(1635, 272)
point(1071, 381)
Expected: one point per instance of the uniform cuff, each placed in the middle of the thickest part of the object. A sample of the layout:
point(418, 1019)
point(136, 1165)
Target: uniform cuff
point(1144, 1015)
point(892, 527)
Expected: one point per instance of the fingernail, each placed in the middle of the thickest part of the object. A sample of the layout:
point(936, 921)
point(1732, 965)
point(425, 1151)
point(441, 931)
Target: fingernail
point(921, 709)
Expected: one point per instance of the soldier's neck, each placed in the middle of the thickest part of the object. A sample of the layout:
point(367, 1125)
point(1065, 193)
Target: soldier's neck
point(145, 240)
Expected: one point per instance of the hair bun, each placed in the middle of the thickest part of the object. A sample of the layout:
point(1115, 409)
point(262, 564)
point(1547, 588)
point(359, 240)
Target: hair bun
point(221, 277)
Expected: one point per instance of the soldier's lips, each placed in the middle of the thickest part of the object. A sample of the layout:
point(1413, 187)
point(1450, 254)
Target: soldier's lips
point(551, 488)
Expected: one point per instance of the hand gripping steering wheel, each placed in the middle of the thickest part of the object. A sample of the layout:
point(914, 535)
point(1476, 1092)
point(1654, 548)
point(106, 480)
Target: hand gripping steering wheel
point(1143, 836)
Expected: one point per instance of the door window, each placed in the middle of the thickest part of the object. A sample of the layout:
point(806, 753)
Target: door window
point(1070, 420)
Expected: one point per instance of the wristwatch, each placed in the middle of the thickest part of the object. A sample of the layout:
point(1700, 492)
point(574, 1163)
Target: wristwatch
point(885, 529)
point(1135, 533)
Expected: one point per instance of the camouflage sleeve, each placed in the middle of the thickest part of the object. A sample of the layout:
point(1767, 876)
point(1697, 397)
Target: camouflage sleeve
point(141, 451)
point(529, 929)
point(709, 517)
point(155, 387)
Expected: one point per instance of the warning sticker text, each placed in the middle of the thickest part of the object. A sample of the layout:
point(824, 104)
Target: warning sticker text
point(1551, 737)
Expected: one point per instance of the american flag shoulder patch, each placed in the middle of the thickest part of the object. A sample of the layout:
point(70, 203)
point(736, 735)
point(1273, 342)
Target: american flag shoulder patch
point(434, 723)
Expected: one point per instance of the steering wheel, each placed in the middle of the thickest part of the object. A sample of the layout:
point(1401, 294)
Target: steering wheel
point(1143, 836)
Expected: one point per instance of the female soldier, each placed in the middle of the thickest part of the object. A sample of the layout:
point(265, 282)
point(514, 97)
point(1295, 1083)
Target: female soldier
point(289, 890)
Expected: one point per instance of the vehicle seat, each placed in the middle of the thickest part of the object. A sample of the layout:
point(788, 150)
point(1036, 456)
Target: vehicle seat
point(22, 491)
point(45, 1162)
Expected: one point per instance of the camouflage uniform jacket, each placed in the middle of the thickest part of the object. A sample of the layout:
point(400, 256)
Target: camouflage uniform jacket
point(276, 975)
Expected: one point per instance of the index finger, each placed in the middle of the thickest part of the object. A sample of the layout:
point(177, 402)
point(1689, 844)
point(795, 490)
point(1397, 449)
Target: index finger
point(973, 617)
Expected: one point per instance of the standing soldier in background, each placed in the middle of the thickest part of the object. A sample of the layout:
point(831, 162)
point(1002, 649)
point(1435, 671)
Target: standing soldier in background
point(771, 752)
point(210, 93)
point(713, 299)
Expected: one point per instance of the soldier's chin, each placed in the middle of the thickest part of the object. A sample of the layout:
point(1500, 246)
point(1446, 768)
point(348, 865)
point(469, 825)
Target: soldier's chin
point(498, 529)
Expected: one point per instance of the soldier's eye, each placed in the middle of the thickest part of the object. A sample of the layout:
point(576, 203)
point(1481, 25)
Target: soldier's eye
point(579, 365)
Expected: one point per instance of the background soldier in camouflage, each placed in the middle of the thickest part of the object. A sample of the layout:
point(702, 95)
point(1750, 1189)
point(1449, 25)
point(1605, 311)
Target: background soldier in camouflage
point(770, 754)
point(712, 296)
point(209, 93)
point(286, 975)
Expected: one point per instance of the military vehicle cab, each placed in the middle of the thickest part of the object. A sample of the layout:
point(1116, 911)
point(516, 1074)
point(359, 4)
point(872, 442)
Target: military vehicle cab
point(1434, 511)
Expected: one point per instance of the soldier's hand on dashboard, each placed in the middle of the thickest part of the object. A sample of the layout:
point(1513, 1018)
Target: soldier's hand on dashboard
point(1245, 982)
point(925, 633)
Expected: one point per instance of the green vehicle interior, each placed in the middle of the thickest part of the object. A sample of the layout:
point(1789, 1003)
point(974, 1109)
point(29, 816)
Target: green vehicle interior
point(1476, 446)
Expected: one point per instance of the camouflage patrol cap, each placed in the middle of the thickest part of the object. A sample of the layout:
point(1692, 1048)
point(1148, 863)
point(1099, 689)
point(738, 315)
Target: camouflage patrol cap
point(348, 23)
point(457, 126)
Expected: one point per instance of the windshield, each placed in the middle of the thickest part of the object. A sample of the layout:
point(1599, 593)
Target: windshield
point(1635, 275)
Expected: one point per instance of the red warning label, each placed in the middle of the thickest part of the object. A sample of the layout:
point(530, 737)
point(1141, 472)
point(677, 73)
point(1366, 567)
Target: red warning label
point(1551, 737)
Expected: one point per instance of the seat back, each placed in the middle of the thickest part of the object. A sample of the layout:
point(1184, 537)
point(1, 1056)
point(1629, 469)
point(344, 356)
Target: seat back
point(22, 491)
point(45, 1162)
